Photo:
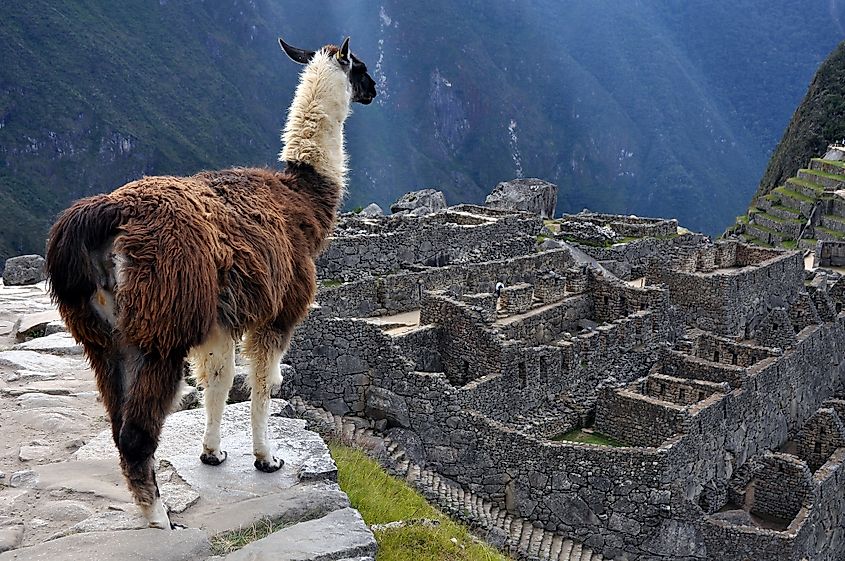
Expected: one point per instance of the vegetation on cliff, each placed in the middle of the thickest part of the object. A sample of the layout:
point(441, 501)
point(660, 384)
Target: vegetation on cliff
point(818, 122)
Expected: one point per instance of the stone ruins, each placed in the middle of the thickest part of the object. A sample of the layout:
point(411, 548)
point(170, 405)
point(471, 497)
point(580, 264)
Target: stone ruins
point(583, 388)
point(590, 387)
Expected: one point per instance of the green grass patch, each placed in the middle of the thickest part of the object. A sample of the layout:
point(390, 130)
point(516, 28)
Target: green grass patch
point(743, 219)
point(832, 233)
point(830, 162)
point(795, 195)
point(330, 283)
point(788, 209)
point(228, 542)
point(756, 241)
point(587, 437)
point(835, 218)
point(826, 175)
point(807, 184)
point(382, 498)
point(765, 229)
point(789, 244)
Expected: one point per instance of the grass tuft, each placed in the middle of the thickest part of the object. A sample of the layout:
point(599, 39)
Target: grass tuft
point(228, 542)
point(381, 498)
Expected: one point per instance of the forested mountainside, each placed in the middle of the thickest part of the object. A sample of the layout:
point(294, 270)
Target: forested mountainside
point(818, 122)
point(655, 108)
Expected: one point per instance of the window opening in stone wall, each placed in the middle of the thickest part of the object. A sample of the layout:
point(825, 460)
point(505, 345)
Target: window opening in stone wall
point(682, 394)
point(700, 396)
point(662, 388)
point(822, 431)
point(465, 373)
point(817, 448)
point(838, 307)
point(715, 356)
point(622, 305)
point(523, 376)
point(733, 359)
point(544, 370)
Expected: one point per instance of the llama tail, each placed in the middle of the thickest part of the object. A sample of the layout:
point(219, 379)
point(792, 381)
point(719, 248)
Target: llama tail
point(80, 232)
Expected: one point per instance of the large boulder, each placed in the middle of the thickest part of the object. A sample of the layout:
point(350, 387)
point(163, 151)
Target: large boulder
point(25, 269)
point(372, 210)
point(529, 195)
point(425, 201)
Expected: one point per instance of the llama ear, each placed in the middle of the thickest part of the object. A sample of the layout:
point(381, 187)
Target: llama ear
point(343, 53)
point(297, 55)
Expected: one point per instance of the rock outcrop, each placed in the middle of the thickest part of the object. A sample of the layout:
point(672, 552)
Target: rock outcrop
point(24, 270)
point(424, 201)
point(529, 195)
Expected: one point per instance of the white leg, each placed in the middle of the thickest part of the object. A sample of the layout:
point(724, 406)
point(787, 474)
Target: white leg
point(264, 377)
point(156, 514)
point(214, 361)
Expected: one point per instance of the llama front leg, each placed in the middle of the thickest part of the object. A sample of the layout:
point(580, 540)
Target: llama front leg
point(214, 363)
point(266, 351)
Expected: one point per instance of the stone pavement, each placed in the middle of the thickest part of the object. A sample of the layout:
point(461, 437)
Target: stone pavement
point(62, 495)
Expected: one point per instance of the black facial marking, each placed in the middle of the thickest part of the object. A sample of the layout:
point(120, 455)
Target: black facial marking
point(363, 85)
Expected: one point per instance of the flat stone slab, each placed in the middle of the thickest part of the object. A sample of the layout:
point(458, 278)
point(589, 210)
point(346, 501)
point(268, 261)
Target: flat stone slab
point(126, 545)
point(39, 362)
point(236, 479)
point(57, 344)
point(301, 502)
point(341, 534)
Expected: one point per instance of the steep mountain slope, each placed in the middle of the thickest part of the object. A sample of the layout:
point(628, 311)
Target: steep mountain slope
point(660, 107)
point(818, 122)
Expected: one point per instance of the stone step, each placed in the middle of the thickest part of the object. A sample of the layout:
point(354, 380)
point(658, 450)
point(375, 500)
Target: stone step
point(827, 234)
point(535, 541)
point(793, 199)
point(833, 222)
point(789, 227)
point(765, 234)
point(566, 550)
point(829, 181)
point(786, 213)
point(828, 166)
point(807, 188)
point(556, 547)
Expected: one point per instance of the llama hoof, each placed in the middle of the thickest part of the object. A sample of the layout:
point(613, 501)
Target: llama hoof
point(175, 526)
point(213, 458)
point(269, 466)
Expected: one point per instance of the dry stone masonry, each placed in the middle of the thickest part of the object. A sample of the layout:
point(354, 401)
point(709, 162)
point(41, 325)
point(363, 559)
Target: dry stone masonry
point(631, 388)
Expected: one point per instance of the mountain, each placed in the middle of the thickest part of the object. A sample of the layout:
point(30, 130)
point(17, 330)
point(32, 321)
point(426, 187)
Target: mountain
point(818, 122)
point(663, 107)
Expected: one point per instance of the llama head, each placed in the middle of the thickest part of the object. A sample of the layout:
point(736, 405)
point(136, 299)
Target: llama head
point(362, 85)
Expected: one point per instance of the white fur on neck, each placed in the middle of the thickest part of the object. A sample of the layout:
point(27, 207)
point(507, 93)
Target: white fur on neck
point(314, 130)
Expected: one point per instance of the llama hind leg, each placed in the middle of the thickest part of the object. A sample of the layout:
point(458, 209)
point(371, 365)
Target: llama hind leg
point(265, 349)
point(214, 363)
point(148, 399)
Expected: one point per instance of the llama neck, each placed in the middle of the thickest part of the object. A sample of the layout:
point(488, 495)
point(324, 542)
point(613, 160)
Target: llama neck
point(313, 132)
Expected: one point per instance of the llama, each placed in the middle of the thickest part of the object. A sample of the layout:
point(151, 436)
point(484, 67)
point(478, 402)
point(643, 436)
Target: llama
point(169, 268)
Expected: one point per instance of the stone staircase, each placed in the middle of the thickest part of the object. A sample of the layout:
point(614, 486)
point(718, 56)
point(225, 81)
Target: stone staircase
point(514, 535)
point(807, 208)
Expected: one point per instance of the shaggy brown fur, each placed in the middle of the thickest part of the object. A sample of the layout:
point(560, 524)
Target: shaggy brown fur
point(234, 248)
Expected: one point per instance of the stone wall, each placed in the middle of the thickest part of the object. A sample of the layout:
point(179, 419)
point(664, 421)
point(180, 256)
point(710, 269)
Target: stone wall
point(820, 437)
point(829, 254)
point(727, 351)
point(816, 532)
point(403, 291)
point(443, 238)
point(732, 301)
